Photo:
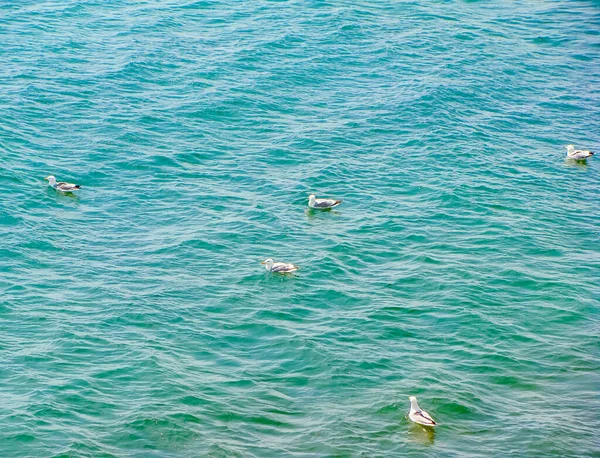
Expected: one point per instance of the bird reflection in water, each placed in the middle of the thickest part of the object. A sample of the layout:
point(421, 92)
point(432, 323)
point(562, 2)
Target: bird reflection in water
point(319, 214)
point(421, 434)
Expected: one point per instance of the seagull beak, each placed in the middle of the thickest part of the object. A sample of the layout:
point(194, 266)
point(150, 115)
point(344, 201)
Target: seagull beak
point(46, 178)
point(262, 262)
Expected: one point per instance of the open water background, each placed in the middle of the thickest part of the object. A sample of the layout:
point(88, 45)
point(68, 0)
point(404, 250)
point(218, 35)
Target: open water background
point(463, 266)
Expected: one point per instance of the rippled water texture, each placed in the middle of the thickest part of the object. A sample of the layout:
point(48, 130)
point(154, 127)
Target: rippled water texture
point(462, 267)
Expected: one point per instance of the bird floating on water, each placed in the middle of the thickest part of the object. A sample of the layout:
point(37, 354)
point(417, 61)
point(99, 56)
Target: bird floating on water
point(61, 185)
point(578, 154)
point(419, 416)
point(279, 267)
point(322, 204)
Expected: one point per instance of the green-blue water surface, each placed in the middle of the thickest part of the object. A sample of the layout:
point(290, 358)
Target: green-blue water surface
point(462, 267)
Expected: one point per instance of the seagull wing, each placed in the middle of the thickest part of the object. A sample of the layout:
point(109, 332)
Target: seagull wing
point(66, 186)
point(425, 418)
point(324, 203)
point(283, 267)
point(581, 154)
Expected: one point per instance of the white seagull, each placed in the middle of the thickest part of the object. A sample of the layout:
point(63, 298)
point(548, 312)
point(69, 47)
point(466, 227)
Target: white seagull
point(322, 204)
point(279, 267)
point(577, 154)
point(419, 416)
point(61, 185)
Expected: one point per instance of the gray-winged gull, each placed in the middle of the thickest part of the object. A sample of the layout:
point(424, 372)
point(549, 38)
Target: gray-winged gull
point(322, 204)
point(419, 416)
point(279, 267)
point(61, 185)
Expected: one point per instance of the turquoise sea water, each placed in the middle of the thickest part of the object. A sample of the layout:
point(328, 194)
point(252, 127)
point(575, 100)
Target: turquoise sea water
point(463, 266)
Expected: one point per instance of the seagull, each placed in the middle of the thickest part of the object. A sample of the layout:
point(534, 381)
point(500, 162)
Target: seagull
point(419, 416)
point(61, 185)
point(322, 204)
point(279, 267)
point(577, 154)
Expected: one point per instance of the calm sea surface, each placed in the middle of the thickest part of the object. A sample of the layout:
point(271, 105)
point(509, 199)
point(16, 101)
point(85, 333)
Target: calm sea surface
point(463, 266)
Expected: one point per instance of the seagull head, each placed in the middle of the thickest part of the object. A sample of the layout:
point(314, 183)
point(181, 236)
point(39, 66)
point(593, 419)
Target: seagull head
point(268, 263)
point(311, 198)
point(570, 148)
point(50, 179)
point(413, 403)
